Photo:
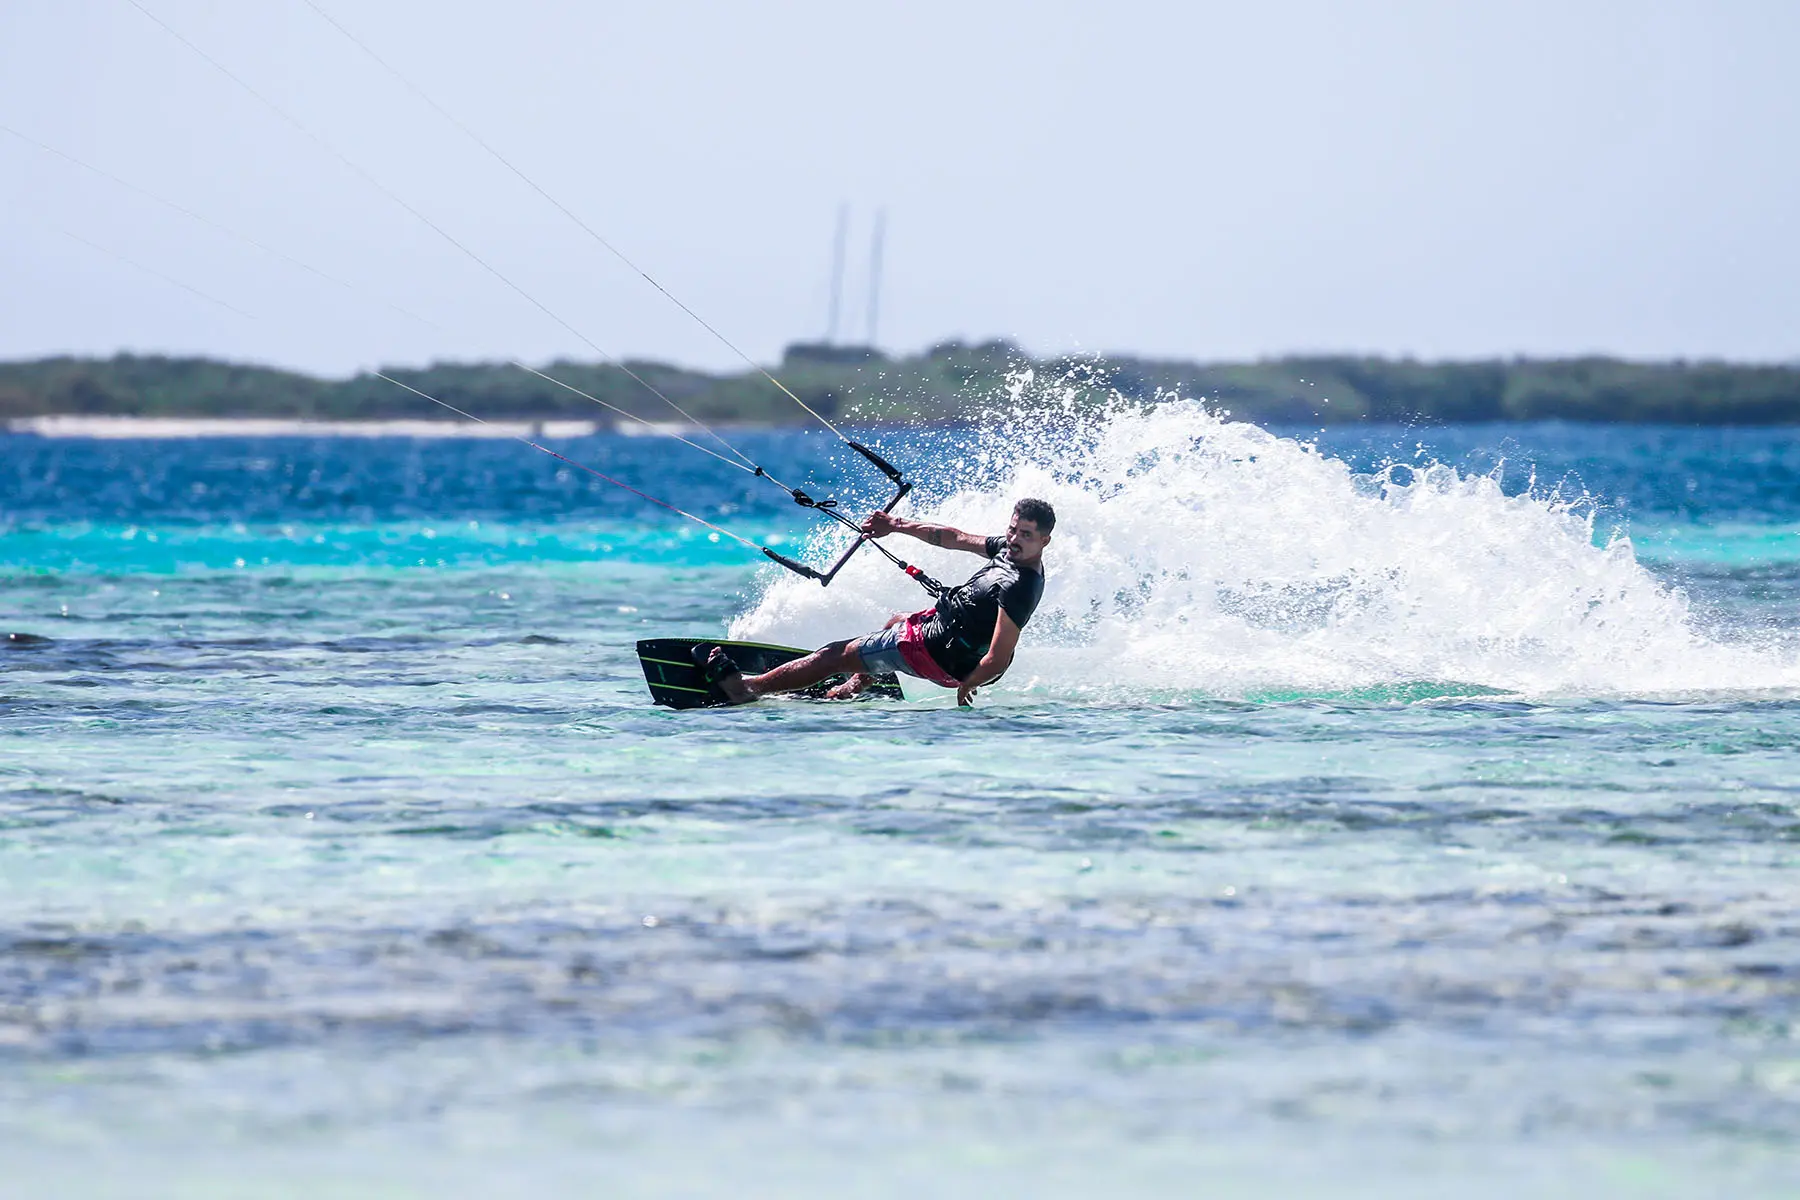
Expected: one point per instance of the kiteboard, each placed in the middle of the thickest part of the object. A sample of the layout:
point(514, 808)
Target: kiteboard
point(676, 680)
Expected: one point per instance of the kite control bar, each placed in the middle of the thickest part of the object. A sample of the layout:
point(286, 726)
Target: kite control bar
point(829, 508)
point(883, 465)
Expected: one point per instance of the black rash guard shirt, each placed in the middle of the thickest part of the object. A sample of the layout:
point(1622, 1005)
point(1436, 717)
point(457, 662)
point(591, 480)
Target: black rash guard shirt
point(959, 629)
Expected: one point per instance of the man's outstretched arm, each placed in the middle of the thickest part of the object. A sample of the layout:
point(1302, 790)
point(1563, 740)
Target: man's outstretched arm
point(881, 524)
point(993, 664)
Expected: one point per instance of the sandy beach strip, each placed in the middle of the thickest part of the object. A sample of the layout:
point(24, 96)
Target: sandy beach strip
point(87, 426)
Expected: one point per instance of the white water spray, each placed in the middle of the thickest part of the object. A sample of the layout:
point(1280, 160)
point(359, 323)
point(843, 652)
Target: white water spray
point(1198, 555)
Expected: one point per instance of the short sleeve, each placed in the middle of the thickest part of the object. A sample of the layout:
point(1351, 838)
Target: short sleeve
point(994, 546)
point(1019, 598)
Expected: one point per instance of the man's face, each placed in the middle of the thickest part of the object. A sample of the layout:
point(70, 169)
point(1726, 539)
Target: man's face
point(1023, 541)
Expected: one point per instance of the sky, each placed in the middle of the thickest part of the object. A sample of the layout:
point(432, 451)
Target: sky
point(1195, 180)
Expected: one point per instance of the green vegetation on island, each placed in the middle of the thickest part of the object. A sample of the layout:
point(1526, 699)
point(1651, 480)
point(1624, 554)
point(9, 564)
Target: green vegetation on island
point(952, 381)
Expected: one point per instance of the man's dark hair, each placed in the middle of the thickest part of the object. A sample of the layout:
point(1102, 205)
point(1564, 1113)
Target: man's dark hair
point(1038, 512)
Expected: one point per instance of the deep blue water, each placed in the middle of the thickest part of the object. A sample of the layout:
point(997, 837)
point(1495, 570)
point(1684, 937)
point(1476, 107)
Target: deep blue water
point(1662, 474)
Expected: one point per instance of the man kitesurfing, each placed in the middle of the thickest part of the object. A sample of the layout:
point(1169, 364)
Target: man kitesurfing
point(965, 640)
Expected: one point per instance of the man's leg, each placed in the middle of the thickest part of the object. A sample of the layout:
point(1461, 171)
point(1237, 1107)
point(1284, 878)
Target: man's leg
point(838, 658)
point(862, 681)
point(852, 687)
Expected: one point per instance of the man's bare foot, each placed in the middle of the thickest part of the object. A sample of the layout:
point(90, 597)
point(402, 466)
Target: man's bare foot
point(722, 671)
point(852, 687)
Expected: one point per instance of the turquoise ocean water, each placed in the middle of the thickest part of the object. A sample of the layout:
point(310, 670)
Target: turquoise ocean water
point(1405, 812)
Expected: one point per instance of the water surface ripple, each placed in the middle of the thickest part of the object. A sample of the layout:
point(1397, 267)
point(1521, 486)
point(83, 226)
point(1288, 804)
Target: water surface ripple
point(322, 865)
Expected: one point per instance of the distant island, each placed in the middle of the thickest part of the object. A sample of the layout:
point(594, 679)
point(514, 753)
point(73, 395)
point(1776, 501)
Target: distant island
point(952, 381)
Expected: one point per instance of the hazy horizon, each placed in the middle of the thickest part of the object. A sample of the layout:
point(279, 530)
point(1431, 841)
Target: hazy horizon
point(891, 354)
point(1204, 183)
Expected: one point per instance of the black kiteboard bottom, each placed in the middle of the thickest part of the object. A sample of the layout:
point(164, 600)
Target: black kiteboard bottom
point(676, 680)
